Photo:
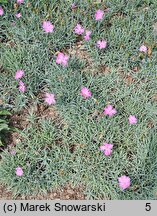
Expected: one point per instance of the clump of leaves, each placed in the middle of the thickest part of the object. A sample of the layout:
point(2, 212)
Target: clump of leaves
point(4, 124)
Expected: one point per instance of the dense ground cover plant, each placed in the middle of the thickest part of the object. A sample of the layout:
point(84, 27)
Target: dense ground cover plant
point(104, 135)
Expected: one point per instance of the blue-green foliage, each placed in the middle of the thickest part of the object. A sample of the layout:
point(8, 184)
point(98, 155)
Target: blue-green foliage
point(66, 150)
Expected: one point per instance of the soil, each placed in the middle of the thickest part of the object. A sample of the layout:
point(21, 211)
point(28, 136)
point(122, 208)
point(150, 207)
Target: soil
point(66, 193)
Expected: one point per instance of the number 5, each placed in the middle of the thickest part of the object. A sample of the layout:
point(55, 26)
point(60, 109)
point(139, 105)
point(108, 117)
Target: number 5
point(148, 207)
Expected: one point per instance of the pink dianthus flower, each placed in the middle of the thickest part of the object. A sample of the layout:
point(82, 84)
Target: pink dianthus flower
point(50, 98)
point(124, 182)
point(99, 14)
point(19, 171)
point(47, 26)
point(109, 110)
point(143, 48)
point(20, 1)
point(1, 11)
point(85, 92)
point(79, 29)
point(22, 86)
point(87, 36)
point(19, 74)
point(62, 59)
point(132, 119)
point(106, 148)
point(101, 44)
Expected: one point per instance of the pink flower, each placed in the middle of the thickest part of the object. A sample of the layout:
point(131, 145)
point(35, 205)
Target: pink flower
point(62, 59)
point(109, 110)
point(19, 74)
point(1, 11)
point(101, 44)
point(143, 48)
point(99, 14)
point(19, 171)
point(20, 1)
point(73, 6)
point(65, 60)
point(13, 152)
point(132, 119)
point(87, 36)
point(18, 15)
point(85, 92)
point(22, 86)
point(124, 182)
point(50, 98)
point(106, 148)
point(47, 26)
point(78, 29)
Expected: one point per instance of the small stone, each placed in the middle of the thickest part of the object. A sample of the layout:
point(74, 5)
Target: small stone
point(67, 197)
point(18, 140)
point(69, 191)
